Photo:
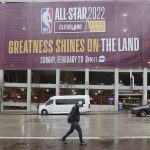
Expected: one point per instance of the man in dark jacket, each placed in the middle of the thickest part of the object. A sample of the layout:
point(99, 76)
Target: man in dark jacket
point(75, 123)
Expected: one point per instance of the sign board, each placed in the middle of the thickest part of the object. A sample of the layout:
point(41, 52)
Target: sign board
point(74, 35)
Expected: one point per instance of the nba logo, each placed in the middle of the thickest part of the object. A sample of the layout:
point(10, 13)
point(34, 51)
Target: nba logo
point(46, 20)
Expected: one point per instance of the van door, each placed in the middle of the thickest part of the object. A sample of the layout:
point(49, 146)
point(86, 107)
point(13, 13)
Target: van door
point(50, 106)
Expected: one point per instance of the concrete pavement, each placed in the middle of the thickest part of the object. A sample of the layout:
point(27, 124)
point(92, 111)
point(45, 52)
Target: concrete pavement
point(103, 144)
point(102, 131)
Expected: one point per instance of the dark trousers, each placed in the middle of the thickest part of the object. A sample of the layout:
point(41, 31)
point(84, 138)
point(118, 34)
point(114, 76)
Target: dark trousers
point(74, 125)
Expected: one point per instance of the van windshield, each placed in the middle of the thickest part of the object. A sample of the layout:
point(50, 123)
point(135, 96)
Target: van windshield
point(49, 102)
point(68, 101)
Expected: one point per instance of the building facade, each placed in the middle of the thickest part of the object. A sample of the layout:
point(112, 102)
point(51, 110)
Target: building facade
point(99, 48)
point(25, 89)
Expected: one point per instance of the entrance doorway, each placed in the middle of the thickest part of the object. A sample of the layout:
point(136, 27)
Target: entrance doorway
point(130, 100)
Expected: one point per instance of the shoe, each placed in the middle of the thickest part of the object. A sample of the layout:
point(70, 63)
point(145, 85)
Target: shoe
point(83, 143)
point(64, 141)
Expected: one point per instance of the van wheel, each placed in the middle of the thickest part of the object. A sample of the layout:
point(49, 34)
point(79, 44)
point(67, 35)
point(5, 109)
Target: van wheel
point(44, 112)
point(142, 113)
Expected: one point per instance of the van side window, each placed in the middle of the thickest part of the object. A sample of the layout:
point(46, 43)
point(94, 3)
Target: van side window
point(49, 102)
point(68, 101)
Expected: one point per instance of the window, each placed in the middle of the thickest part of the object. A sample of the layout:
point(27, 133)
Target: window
point(44, 76)
point(68, 101)
point(15, 76)
point(101, 78)
point(15, 95)
point(101, 97)
point(138, 78)
point(49, 102)
point(41, 95)
point(148, 79)
point(72, 91)
point(15, 98)
point(148, 96)
point(72, 77)
point(124, 78)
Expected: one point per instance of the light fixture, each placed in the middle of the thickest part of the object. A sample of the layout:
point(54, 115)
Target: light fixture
point(18, 96)
point(23, 28)
point(47, 90)
point(124, 30)
point(22, 89)
point(125, 14)
point(35, 97)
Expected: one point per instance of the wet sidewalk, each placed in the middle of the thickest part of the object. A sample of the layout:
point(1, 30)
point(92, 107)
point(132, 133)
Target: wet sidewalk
point(102, 144)
point(101, 132)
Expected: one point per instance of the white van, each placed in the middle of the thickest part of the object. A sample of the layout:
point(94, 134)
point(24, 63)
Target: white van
point(64, 104)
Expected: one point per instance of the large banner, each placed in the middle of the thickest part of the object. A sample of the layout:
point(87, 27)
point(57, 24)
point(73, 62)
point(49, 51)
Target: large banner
point(75, 35)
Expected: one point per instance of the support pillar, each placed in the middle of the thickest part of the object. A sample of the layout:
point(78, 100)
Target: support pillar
point(57, 82)
point(116, 88)
point(86, 81)
point(144, 99)
point(29, 90)
point(1, 89)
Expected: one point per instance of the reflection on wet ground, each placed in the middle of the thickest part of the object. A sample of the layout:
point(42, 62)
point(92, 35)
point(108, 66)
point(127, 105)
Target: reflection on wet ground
point(73, 144)
point(101, 132)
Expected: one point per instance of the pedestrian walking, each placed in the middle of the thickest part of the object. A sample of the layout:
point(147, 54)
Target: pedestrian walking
point(75, 119)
